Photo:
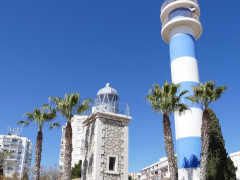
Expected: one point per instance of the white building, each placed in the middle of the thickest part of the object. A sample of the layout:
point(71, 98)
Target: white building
point(236, 160)
point(20, 148)
point(160, 169)
point(78, 137)
point(156, 171)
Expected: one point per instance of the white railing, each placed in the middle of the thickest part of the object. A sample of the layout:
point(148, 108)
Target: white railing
point(118, 108)
point(166, 2)
point(180, 13)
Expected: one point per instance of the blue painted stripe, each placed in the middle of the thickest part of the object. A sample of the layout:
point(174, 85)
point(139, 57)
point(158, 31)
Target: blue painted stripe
point(188, 85)
point(182, 45)
point(188, 152)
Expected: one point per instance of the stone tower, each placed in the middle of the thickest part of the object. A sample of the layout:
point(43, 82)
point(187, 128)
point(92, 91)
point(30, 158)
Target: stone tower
point(106, 140)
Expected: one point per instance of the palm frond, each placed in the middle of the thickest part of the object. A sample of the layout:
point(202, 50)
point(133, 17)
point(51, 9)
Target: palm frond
point(54, 99)
point(210, 85)
point(24, 123)
point(206, 93)
point(29, 116)
point(165, 99)
point(54, 125)
point(46, 107)
point(192, 98)
point(84, 106)
point(218, 92)
point(74, 99)
point(173, 89)
point(69, 105)
point(183, 93)
point(181, 108)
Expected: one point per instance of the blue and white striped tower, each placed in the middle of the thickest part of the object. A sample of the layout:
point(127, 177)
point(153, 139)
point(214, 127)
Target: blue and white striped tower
point(180, 28)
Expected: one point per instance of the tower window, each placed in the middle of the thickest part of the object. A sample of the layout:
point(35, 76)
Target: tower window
point(112, 163)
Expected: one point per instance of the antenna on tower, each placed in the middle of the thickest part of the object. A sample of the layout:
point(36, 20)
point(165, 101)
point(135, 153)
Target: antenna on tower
point(14, 131)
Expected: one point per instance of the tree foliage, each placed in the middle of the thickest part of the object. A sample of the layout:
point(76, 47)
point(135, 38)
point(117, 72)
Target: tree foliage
point(220, 165)
point(67, 107)
point(70, 105)
point(167, 99)
point(39, 116)
point(76, 170)
point(130, 177)
point(205, 94)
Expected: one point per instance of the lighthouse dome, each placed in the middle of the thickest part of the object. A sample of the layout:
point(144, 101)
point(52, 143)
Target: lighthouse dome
point(107, 90)
point(107, 99)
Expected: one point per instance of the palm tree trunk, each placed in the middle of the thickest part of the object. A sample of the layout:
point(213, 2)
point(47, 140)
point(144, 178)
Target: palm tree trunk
point(68, 151)
point(169, 148)
point(38, 152)
point(205, 144)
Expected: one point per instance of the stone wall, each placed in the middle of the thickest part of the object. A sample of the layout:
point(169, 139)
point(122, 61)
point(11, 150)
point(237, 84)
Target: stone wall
point(113, 146)
point(89, 152)
point(106, 136)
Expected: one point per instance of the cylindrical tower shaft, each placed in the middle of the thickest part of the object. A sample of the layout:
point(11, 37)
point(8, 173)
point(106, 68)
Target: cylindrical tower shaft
point(180, 28)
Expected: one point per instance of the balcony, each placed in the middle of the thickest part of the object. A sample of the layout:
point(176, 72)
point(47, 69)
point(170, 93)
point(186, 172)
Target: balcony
point(118, 108)
point(179, 13)
point(166, 2)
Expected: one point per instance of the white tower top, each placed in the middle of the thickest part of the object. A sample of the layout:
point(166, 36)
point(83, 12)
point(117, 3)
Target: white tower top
point(107, 100)
point(107, 90)
point(180, 15)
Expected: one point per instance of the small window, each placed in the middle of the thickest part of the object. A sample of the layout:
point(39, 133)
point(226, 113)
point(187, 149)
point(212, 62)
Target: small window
point(112, 163)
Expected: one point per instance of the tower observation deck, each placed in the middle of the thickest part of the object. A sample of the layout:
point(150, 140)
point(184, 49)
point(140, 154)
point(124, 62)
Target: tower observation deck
point(181, 27)
point(178, 14)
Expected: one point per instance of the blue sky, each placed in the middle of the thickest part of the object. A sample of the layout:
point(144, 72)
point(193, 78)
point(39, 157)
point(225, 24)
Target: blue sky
point(51, 47)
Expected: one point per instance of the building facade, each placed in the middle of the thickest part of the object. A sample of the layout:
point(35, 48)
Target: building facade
point(236, 160)
point(181, 27)
point(20, 148)
point(156, 171)
point(160, 169)
point(78, 137)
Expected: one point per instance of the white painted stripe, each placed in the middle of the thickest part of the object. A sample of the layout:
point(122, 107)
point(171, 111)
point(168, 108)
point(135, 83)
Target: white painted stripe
point(184, 173)
point(182, 29)
point(184, 69)
point(188, 123)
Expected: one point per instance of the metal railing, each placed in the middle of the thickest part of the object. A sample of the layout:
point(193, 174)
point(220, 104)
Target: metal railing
point(166, 2)
point(119, 108)
point(181, 12)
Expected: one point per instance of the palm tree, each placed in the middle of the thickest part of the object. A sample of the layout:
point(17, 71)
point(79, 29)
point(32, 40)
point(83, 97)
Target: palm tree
point(3, 156)
point(39, 116)
point(67, 107)
point(205, 94)
point(166, 101)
